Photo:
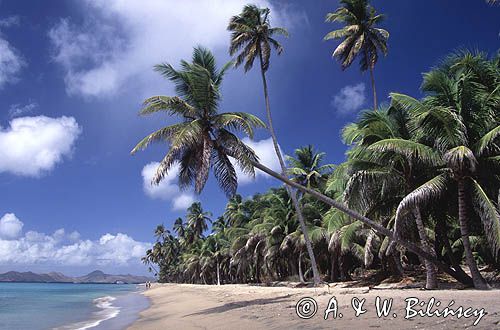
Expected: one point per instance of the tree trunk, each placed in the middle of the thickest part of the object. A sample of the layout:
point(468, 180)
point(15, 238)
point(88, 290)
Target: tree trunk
point(375, 105)
point(257, 266)
point(218, 273)
point(368, 257)
point(314, 266)
point(441, 231)
point(372, 224)
point(301, 276)
point(477, 279)
point(431, 275)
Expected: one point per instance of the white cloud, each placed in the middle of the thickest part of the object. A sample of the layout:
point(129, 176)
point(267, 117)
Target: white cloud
point(10, 226)
point(10, 63)
point(183, 201)
point(168, 188)
point(31, 146)
point(62, 249)
point(9, 21)
point(267, 156)
point(120, 41)
point(349, 99)
point(18, 109)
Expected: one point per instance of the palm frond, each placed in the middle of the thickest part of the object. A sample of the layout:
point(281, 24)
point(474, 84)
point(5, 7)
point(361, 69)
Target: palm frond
point(490, 218)
point(485, 142)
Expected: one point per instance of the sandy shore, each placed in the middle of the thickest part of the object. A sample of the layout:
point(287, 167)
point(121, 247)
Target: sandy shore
point(184, 306)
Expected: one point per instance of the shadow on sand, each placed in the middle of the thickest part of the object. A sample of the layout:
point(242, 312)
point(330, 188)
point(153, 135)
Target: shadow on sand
point(239, 304)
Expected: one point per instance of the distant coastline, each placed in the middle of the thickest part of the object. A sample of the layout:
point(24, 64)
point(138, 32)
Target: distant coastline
point(95, 277)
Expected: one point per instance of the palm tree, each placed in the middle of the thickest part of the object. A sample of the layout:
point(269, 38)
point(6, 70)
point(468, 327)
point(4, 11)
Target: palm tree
point(459, 119)
point(179, 228)
point(198, 219)
point(235, 212)
point(203, 139)
point(252, 36)
point(360, 36)
point(306, 167)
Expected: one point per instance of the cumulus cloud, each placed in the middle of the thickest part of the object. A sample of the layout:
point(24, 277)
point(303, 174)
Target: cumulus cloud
point(267, 156)
point(18, 109)
point(10, 226)
point(349, 99)
point(96, 55)
point(66, 249)
point(31, 146)
point(168, 188)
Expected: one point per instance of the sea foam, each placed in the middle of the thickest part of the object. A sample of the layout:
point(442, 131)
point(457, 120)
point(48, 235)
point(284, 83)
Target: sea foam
point(107, 311)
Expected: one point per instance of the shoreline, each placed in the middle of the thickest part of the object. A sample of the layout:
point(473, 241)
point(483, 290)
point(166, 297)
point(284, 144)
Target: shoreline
point(129, 306)
point(240, 306)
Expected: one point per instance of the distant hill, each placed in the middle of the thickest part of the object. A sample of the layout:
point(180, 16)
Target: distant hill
point(53, 277)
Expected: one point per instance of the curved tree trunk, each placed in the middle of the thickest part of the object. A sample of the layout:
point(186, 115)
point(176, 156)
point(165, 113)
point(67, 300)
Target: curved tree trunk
point(431, 275)
point(293, 196)
point(477, 279)
point(372, 224)
point(375, 105)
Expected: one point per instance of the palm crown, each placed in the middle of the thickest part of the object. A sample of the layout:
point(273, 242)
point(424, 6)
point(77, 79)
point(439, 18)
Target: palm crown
point(204, 139)
point(359, 35)
point(252, 36)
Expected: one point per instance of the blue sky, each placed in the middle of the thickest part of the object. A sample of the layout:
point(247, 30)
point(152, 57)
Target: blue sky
point(73, 76)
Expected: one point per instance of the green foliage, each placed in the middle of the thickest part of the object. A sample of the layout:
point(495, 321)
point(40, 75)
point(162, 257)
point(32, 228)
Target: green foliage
point(360, 36)
point(404, 163)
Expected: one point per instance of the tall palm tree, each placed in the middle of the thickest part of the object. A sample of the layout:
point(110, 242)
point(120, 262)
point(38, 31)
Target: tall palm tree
point(360, 36)
point(202, 141)
point(252, 36)
point(198, 219)
point(236, 213)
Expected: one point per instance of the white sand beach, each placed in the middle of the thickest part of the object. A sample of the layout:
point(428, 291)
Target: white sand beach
point(186, 306)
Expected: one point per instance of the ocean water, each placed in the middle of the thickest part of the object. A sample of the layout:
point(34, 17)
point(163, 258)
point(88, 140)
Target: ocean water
point(27, 306)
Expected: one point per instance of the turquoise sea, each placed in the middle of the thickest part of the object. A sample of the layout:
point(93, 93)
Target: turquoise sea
point(27, 306)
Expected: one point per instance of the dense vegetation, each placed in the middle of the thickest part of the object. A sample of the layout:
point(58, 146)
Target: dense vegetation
point(420, 186)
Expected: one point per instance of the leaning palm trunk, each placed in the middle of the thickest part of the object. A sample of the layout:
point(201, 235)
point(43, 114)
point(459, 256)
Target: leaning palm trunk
point(431, 276)
point(477, 279)
point(314, 266)
point(372, 224)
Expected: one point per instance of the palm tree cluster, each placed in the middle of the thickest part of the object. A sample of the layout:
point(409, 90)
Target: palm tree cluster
point(420, 185)
point(427, 170)
point(255, 239)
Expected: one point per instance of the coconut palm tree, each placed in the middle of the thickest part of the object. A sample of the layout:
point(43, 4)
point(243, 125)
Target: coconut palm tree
point(252, 36)
point(179, 228)
point(236, 213)
point(203, 140)
point(306, 167)
point(461, 165)
point(198, 219)
point(360, 36)
point(459, 119)
point(380, 175)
